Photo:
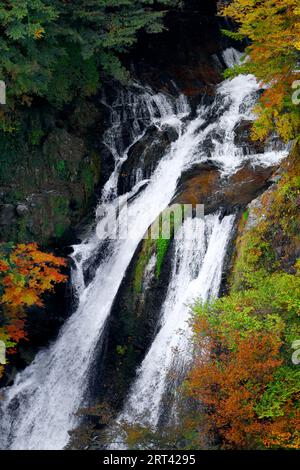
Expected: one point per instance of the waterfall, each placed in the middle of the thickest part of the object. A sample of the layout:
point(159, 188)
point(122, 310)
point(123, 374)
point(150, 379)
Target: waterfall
point(200, 248)
point(39, 409)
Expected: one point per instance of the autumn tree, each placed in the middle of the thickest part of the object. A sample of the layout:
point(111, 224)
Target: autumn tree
point(243, 379)
point(273, 28)
point(26, 273)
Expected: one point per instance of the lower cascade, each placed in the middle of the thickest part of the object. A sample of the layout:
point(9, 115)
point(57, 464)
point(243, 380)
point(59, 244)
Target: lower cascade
point(39, 409)
point(200, 248)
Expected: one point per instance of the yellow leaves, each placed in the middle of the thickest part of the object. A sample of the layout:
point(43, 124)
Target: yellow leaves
point(26, 273)
point(19, 296)
point(273, 26)
point(39, 33)
point(34, 273)
point(285, 127)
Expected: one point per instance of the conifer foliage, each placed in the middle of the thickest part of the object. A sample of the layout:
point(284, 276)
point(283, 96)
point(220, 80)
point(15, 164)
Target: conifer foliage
point(55, 49)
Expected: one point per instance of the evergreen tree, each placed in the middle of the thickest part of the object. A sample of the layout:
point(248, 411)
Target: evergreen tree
point(56, 49)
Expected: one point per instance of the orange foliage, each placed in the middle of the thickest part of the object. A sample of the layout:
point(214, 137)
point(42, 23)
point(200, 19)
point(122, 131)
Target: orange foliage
point(26, 273)
point(230, 383)
point(35, 272)
point(273, 27)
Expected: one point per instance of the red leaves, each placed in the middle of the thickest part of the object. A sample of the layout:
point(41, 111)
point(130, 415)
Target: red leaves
point(26, 273)
point(31, 273)
point(230, 383)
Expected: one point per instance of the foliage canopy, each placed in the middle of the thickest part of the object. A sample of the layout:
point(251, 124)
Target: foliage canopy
point(273, 27)
point(56, 49)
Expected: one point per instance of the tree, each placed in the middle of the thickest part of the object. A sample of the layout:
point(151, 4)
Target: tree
point(26, 273)
point(242, 378)
point(56, 49)
point(273, 27)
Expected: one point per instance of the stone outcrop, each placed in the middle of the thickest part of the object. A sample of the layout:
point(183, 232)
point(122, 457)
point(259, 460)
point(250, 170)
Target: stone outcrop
point(204, 184)
point(47, 189)
point(144, 156)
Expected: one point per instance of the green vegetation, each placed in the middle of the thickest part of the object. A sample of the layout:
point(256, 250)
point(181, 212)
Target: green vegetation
point(249, 385)
point(142, 261)
point(273, 30)
point(57, 50)
point(162, 246)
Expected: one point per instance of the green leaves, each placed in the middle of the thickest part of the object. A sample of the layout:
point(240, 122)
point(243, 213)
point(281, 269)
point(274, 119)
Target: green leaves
point(57, 50)
point(284, 386)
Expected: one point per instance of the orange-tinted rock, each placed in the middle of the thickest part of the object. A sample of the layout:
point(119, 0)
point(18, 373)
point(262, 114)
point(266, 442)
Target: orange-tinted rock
point(197, 185)
point(246, 184)
point(205, 185)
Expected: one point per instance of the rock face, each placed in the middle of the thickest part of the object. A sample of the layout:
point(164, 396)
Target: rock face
point(47, 189)
point(270, 226)
point(144, 156)
point(203, 184)
point(188, 53)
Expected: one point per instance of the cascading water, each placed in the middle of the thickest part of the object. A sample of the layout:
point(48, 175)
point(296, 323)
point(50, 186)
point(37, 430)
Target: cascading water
point(200, 248)
point(40, 408)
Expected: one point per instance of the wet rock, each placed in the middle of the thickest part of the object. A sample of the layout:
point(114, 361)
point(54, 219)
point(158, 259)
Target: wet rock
point(198, 185)
point(243, 139)
point(7, 214)
point(144, 156)
point(204, 184)
point(22, 209)
point(50, 190)
point(246, 184)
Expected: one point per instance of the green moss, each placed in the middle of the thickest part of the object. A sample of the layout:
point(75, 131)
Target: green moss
point(22, 229)
point(142, 261)
point(88, 178)
point(162, 246)
point(36, 136)
point(59, 230)
point(121, 350)
point(245, 215)
point(166, 224)
point(169, 222)
point(62, 169)
point(60, 206)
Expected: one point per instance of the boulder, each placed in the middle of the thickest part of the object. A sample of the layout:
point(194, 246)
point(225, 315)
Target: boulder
point(204, 184)
point(243, 139)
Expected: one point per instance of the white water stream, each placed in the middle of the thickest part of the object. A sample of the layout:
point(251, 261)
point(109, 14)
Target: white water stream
point(200, 249)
